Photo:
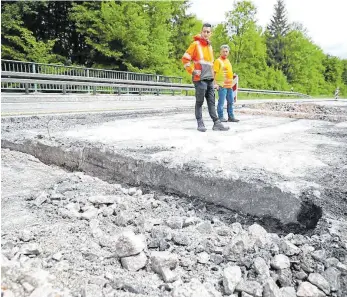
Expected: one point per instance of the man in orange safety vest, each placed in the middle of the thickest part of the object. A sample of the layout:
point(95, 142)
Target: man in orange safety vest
point(201, 54)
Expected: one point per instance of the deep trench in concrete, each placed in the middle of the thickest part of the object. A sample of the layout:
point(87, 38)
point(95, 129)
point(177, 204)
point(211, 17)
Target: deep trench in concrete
point(154, 176)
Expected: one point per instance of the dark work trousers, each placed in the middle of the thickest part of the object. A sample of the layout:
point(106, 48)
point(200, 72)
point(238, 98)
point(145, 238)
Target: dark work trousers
point(204, 89)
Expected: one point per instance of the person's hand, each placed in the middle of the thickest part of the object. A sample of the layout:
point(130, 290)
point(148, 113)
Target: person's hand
point(235, 99)
point(196, 72)
point(216, 87)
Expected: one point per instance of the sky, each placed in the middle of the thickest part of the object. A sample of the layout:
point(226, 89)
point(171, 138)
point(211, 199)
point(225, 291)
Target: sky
point(325, 21)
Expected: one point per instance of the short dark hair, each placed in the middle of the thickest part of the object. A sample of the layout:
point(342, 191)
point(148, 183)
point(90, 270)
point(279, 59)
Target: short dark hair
point(206, 25)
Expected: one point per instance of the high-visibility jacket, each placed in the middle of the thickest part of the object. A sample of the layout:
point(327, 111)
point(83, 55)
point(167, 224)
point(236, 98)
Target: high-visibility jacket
point(224, 72)
point(201, 54)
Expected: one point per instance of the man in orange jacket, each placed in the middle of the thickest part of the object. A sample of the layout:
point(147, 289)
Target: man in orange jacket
point(201, 54)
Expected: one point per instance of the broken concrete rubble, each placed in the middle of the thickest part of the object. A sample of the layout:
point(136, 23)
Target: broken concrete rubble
point(134, 263)
point(128, 244)
point(189, 252)
point(231, 278)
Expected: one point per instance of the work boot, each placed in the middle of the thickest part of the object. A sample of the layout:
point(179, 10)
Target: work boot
point(218, 126)
point(201, 126)
point(233, 120)
point(223, 120)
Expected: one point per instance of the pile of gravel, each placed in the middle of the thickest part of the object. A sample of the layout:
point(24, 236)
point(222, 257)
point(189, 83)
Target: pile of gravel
point(102, 239)
point(301, 110)
point(299, 107)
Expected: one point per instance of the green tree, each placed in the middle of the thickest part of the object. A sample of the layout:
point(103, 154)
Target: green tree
point(102, 26)
point(276, 32)
point(18, 42)
point(305, 64)
point(183, 27)
point(159, 45)
point(50, 20)
point(240, 24)
point(344, 72)
point(248, 48)
point(279, 23)
point(333, 70)
point(138, 43)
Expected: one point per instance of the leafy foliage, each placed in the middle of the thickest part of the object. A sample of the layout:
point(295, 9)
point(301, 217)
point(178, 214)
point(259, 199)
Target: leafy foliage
point(151, 36)
point(248, 49)
point(18, 42)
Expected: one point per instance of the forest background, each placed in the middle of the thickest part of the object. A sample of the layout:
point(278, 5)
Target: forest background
point(152, 36)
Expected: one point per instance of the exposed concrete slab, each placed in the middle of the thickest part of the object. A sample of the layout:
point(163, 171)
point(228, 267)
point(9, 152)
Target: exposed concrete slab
point(263, 166)
point(21, 105)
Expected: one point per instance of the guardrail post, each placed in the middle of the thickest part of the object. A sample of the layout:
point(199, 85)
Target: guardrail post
point(88, 76)
point(27, 88)
point(186, 92)
point(64, 89)
point(94, 90)
point(140, 92)
point(127, 79)
point(173, 92)
point(34, 71)
point(119, 92)
point(158, 92)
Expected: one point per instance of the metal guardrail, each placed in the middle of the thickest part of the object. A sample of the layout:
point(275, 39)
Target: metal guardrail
point(271, 92)
point(21, 77)
point(53, 77)
point(97, 87)
point(56, 69)
point(46, 83)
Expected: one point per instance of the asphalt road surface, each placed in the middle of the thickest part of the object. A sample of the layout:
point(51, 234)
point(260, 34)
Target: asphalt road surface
point(40, 104)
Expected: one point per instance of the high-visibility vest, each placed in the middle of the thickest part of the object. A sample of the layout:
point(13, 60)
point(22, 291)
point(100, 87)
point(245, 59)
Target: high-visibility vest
point(201, 54)
point(224, 72)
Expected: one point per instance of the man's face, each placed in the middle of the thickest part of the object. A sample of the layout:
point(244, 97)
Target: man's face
point(206, 32)
point(224, 52)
